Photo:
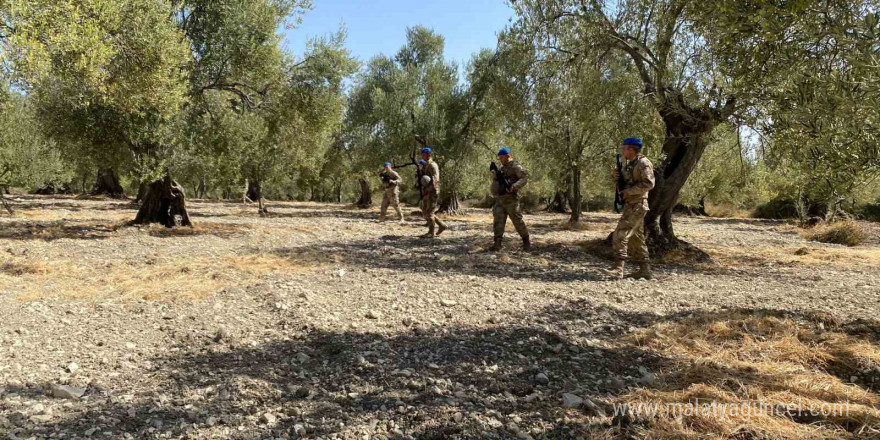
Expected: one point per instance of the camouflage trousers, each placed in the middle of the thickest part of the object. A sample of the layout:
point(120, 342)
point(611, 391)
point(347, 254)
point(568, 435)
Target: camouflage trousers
point(429, 206)
point(508, 206)
point(630, 232)
point(391, 197)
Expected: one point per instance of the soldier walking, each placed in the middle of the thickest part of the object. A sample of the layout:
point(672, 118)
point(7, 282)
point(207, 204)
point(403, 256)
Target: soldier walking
point(431, 192)
point(391, 183)
point(509, 179)
point(420, 171)
point(638, 173)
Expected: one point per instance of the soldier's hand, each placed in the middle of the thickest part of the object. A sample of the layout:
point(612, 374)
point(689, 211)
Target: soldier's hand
point(624, 193)
point(615, 175)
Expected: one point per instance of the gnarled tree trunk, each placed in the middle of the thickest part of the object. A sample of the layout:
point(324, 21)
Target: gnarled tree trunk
point(559, 203)
point(255, 193)
point(143, 187)
point(107, 183)
point(366, 199)
point(449, 204)
point(686, 132)
point(164, 203)
point(576, 198)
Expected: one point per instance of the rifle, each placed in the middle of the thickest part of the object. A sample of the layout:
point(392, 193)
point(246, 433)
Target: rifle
point(419, 182)
point(621, 185)
point(503, 182)
point(385, 177)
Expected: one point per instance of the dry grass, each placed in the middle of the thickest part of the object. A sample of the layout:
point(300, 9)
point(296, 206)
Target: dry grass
point(846, 232)
point(727, 211)
point(222, 230)
point(752, 363)
point(803, 255)
point(157, 280)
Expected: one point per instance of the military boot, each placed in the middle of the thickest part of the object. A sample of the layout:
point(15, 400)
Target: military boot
point(441, 227)
point(617, 270)
point(496, 246)
point(430, 232)
point(527, 243)
point(643, 272)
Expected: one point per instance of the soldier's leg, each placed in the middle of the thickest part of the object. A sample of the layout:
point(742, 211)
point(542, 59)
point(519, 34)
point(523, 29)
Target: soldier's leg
point(515, 212)
point(429, 213)
point(384, 209)
point(395, 202)
point(441, 226)
point(620, 239)
point(499, 221)
point(639, 247)
point(625, 229)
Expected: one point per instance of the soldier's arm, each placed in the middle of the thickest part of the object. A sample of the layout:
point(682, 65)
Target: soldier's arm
point(395, 178)
point(435, 174)
point(646, 180)
point(523, 178)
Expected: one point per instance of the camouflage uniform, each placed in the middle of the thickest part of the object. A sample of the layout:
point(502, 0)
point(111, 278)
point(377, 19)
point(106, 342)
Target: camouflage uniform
point(392, 194)
point(639, 176)
point(508, 204)
point(431, 194)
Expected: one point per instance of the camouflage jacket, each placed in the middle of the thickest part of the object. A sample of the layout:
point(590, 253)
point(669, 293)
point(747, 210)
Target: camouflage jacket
point(432, 170)
point(639, 176)
point(515, 173)
point(394, 179)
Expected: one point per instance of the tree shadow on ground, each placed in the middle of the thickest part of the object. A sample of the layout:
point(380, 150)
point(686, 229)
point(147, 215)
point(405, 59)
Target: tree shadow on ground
point(57, 230)
point(464, 255)
point(412, 383)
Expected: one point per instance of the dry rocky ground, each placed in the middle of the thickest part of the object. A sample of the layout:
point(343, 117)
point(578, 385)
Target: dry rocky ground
point(319, 322)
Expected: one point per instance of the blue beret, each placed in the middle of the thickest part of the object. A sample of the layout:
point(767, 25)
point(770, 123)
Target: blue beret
point(387, 164)
point(421, 162)
point(634, 141)
point(504, 152)
point(426, 150)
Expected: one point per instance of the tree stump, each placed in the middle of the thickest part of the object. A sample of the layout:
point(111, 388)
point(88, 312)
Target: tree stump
point(366, 199)
point(107, 183)
point(165, 204)
point(559, 204)
point(449, 205)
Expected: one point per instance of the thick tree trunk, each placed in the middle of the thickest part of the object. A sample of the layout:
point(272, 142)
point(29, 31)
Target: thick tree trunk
point(202, 189)
point(164, 203)
point(255, 193)
point(577, 204)
point(366, 199)
point(684, 145)
point(143, 187)
point(107, 183)
point(339, 193)
point(559, 204)
point(449, 205)
point(5, 204)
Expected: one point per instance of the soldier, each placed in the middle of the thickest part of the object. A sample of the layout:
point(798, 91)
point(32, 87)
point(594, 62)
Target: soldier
point(391, 183)
point(507, 199)
point(430, 192)
point(638, 173)
point(419, 173)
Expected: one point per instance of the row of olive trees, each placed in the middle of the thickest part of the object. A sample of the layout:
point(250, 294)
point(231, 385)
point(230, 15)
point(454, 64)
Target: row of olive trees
point(197, 87)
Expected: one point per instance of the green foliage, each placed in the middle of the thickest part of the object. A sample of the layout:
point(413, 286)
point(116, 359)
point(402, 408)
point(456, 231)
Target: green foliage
point(106, 75)
point(27, 158)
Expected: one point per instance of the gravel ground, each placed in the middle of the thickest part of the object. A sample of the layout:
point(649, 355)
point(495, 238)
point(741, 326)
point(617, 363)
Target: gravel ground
point(319, 322)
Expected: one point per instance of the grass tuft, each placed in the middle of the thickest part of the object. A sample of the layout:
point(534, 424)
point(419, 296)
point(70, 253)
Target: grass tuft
point(847, 232)
point(748, 367)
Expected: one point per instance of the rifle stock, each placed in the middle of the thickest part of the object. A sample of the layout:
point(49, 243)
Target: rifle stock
point(621, 185)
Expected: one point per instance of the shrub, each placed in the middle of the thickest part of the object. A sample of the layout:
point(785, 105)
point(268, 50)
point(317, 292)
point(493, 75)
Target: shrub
point(846, 232)
point(871, 212)
point(778, 208)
